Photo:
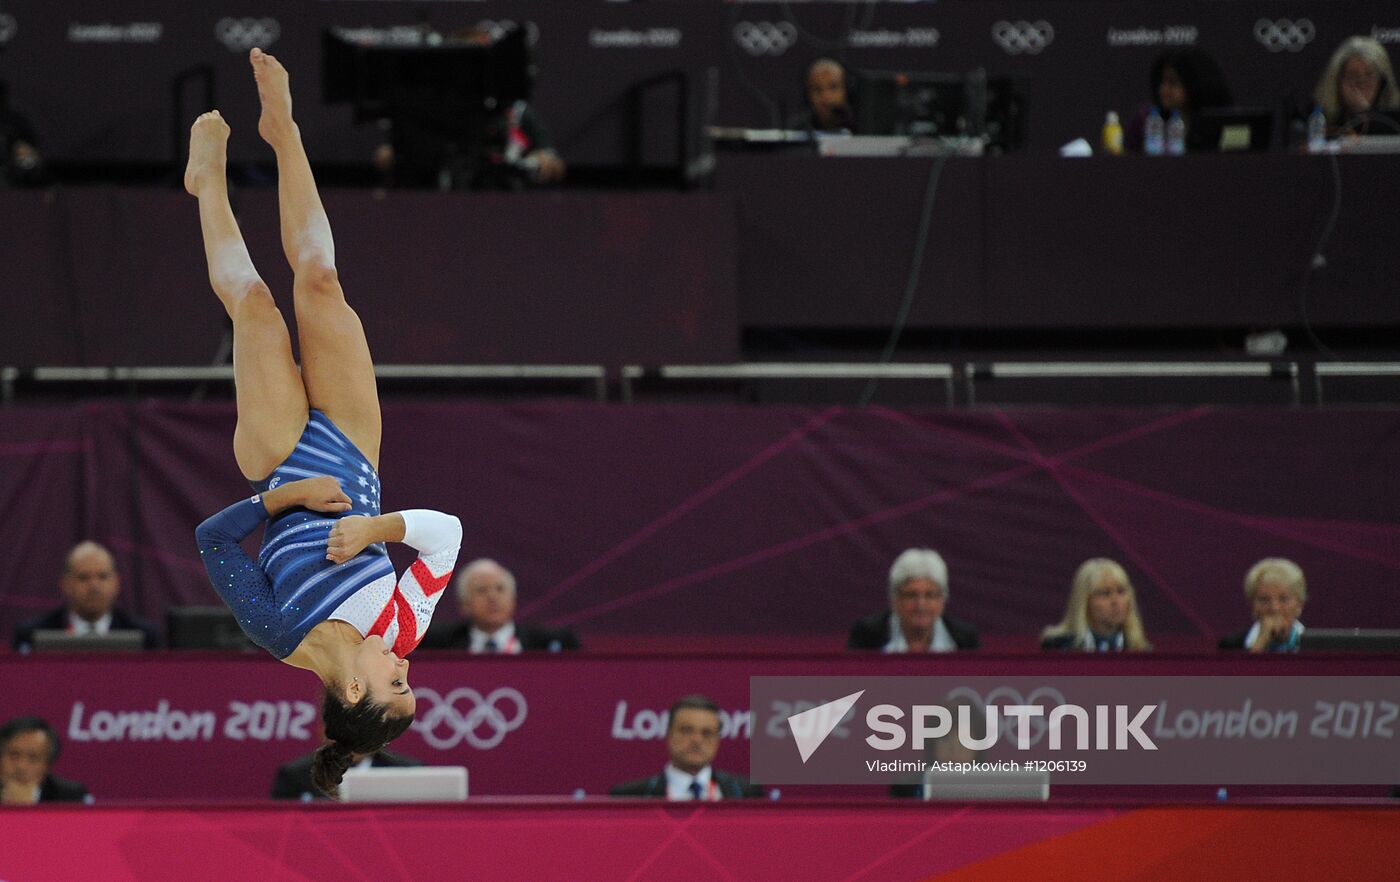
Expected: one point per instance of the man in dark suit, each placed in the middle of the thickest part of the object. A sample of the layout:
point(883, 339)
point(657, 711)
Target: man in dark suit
point(89, 585)
point(486, 596)
point(692, 737)
point(28, 748)
point(915, 621)
point(293, 779)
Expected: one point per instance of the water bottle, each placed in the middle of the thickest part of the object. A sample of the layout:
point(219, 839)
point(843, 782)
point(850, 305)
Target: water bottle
point(1176, 135)
point(1112, 135)
point(1154, 137)
point(1317, 131)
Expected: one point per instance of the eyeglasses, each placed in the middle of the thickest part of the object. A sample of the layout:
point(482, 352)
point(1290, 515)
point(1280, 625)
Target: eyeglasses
point(1370, 78)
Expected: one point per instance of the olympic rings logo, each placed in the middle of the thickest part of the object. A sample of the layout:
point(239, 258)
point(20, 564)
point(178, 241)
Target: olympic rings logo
point(765, 37)
point(498, 29)
point(242, 34)
point(8, 27)
point(1023, 37)
point(481, 714)
point(1276, 36)
point(1041, 695)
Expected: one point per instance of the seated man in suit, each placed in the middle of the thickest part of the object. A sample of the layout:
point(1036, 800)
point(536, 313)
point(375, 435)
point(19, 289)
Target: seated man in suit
point(89, 584)
point(28, 748)
point(915, 621)
point(293, 779)
point(692, 737)
point(486, 595)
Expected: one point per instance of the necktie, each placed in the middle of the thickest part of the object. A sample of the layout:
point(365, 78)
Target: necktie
point(491, 645)
point(694, 789)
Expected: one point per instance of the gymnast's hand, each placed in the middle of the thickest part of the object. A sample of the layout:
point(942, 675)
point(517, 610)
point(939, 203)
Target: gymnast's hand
point(321, 494)
point(350, 536)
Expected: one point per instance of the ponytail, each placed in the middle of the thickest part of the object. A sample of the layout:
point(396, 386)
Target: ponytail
point(353, 731)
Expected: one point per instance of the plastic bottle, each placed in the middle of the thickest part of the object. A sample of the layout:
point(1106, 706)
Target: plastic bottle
point(1112, 135)
point(1317, 131)
point(1176, 135)
point(1154, 138)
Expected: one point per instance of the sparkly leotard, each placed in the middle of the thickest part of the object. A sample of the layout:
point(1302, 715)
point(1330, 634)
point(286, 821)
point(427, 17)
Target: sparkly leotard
point(292, 587)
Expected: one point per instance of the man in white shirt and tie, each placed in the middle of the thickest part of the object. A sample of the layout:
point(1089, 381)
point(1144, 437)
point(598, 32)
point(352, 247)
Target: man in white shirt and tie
point(486, 597)
point(89, 586)
point(692, 738)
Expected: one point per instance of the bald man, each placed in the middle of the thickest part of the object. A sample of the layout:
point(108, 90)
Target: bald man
point(89, 586)
point(486, 596)
point(828, 106)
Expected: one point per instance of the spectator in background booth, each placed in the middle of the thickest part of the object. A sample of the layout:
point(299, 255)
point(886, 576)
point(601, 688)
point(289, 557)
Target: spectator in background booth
point(1358, 79)
point(915, 621)
point(486, 595)
point(1183, 80)
point(1102, 615)
point(21, 165)
point(692, 739)
point(516, 149)
point(1276, 591)
point(828, 105)
point(89, 585)
point(28, 748)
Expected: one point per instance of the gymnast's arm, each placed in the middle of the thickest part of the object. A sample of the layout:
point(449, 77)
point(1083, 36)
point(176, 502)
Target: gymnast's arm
point(237, 577)
point(432, 533)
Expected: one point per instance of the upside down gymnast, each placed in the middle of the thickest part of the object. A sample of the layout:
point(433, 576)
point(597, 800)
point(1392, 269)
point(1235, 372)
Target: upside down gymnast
point(321, 594)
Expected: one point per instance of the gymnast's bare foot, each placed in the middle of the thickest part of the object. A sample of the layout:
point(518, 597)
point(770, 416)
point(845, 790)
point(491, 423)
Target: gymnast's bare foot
point(208, 143)
point(275, 125)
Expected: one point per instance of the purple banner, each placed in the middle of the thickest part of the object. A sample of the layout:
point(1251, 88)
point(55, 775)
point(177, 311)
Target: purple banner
point(665, 526)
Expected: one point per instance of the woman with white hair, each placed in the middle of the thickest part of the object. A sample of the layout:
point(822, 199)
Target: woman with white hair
point(1276, 591)
point(1358, 79)
point(1102, 615)
point(915, 621)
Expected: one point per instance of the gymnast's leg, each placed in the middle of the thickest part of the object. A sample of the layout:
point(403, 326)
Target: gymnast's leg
point(335, 362)
point(272, 405)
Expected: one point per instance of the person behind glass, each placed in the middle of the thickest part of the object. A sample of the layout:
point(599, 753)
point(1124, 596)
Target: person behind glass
point(1276, 591)
point(1102, 614)
point(89, 586)
point(692, 739)
point(915, 621)
point(21, 164)
point(28, 748)
point(486, 596)
point(1183, 80)
point(828, 105)
point(1358, 79)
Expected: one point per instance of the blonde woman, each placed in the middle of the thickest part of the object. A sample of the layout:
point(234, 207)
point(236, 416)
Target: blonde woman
point(1358, 80)
point(1102, 615)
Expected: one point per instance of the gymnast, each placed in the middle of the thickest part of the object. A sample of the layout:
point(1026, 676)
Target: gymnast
point(321, 594)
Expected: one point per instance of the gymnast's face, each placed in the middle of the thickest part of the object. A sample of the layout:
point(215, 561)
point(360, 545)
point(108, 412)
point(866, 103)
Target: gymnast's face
point(385, 675)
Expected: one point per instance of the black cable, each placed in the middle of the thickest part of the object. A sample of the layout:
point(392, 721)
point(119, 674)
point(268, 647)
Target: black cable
point(1318, 260)
point(911, 286)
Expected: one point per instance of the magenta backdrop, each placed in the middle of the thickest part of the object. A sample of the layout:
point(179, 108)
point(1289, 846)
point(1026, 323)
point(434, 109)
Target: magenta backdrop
point(217, 726)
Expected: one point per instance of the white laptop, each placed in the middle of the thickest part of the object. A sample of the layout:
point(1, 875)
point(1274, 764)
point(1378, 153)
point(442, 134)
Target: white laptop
point(1022, 785)
point(411, 784)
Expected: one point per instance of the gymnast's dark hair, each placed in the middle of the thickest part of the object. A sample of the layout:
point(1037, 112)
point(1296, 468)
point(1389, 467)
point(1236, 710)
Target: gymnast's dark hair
point(353, 731)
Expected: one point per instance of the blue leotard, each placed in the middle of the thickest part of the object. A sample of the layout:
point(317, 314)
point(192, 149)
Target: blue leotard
point(291, 587)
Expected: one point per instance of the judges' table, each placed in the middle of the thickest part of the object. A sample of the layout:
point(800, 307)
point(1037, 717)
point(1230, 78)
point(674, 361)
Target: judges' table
point(502, 841)
point(171, 725)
